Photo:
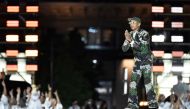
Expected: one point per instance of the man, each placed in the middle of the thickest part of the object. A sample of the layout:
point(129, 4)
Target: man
point(138, 40)
point(180, 89)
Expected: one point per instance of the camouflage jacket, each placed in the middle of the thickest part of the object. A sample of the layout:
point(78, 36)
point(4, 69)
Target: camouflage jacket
point(140, 44)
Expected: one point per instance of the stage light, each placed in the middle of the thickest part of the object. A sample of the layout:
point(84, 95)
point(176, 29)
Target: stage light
point(168, 55)
point(125, 88)
point(143, 103)
point(158, 38)
point(31, 53)
point(31, 23)
point(101, 90)
point(177, 53)
point(32, 68)
point(125, 80)
point(12, 38)
point(176, 9)
point(12, 53)
point(177, 39)
point(12, 8)
point(32, 8)
point(12, 68)
point(92, 30)
point(158, 53)
point(177, 24)
point(12, 23)
point(157, 9)
point(158, 68)
point(177, 69)
point(31, 38)
point(158, 24)
point(94, 61)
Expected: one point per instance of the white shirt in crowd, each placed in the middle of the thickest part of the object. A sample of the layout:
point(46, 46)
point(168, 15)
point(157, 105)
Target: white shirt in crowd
point(74, 107)
point(4, 102)
point(34, 102)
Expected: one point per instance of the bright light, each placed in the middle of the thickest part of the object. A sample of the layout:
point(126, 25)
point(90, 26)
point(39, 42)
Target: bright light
point(12, 8)
point(32, 23)
point(177, 39)
point(177, 9)
point(31, 53)
point(12, 23)
point(12, 53)
point(158, 24)
point(177, 24)
point(177, 69)
point(31, 38)
point(12, 38)
point(158, 68)
point(177, 53)
point(21, 62)
point(94, 61)
point(101, 90)
point(143, 103)
point(17, 77)
point(158, 38)
point(168, 55)
point(92, 30)
point(158, 53)
point(125, 74)
point(157, 9)
point(32, 67)
point(125, 88)
point(32, 8)
point(12, 67)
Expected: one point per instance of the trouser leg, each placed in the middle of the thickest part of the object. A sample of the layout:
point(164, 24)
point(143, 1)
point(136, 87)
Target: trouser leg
point(135, 78)
point(151, 95)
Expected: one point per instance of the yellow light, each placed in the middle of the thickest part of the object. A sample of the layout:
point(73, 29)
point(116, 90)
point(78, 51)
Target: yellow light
point(158, 24)
point(157, 9)
point(31, 38)
point(12, 8)
point(158, 53)
point(12, 23)
point(12, 53)
point(12, 38)
point(12, 67)
point(32, 8)
point(143, 103)
point(158, 68)
point(32, 67)
point(31, 23)
point(177, 53)
point(31, 53)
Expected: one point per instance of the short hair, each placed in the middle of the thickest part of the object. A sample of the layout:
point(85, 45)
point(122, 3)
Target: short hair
point(179, 77)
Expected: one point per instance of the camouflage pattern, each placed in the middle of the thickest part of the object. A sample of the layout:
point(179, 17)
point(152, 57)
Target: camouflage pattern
point(143, 67)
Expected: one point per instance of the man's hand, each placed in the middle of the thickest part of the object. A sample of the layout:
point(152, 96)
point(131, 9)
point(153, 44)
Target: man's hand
point(127, 36)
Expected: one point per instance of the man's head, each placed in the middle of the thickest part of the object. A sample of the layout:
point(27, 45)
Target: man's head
point(135, 23)
point(179, 77)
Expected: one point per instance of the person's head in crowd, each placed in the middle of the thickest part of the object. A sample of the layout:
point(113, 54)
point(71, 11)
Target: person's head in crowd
point(28, 90)
point(172, 98)
point(179, 78)
point(75, 102)
point(42, 97)
point(103, 105)
point(161, 98)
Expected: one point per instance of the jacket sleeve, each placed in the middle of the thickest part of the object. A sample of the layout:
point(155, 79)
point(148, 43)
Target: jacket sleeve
point(143, 42)
point(125, 46)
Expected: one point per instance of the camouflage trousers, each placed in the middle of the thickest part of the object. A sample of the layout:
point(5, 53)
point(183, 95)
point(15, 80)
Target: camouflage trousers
point(141, 69)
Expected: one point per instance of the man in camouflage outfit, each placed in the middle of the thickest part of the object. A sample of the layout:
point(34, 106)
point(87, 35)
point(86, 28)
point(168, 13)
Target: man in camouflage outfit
point(139, 40)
